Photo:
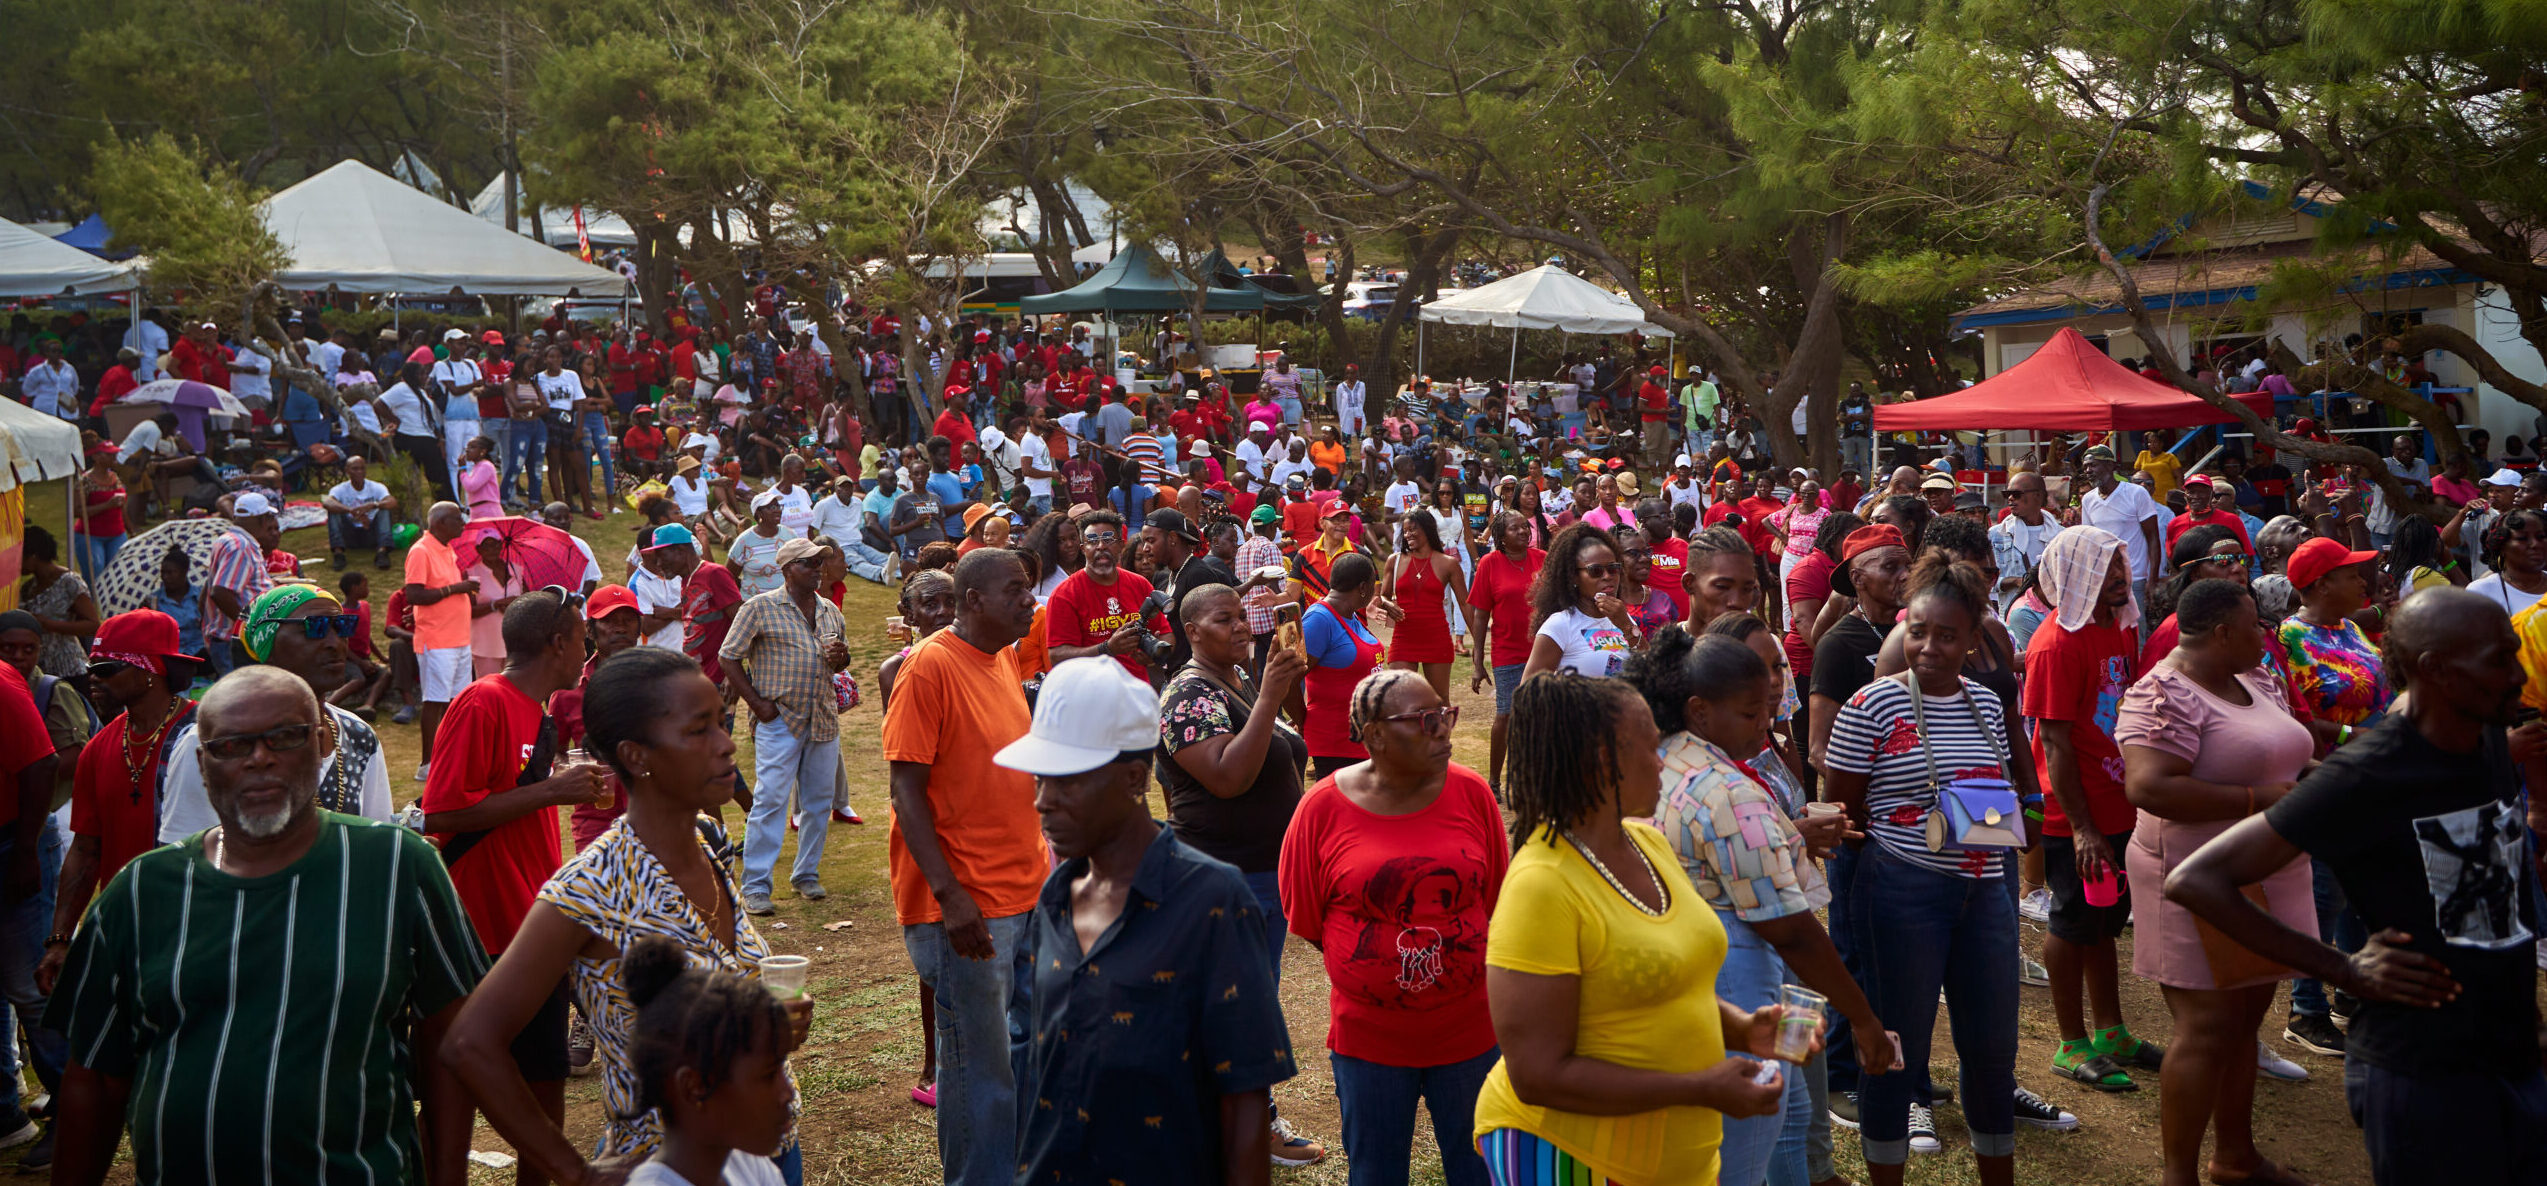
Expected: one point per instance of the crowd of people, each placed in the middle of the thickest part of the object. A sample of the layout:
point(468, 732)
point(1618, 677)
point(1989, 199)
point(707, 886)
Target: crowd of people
point(1778, 762)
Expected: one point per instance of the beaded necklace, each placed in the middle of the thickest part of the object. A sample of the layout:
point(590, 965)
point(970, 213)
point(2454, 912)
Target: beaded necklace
point(1612, 878)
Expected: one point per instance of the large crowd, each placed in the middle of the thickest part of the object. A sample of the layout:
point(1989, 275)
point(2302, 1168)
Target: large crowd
point(1779, 761)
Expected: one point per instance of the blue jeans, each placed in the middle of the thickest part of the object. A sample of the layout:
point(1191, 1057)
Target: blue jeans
point(526, 451)
point(866, 563)
point(784, 766)
point(2336, 925)
point(95, 552)
point(1268, 891)
point(22, 931)
point(1761, 1149)
point(983, 1009)
point(1839, 1050)
point(1378, 1102)
point(1919, 931)
point(2450, 1128)
point(341, 527)
point(597, 442)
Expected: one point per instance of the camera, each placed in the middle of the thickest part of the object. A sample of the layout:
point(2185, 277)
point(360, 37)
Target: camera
point(1154, 648)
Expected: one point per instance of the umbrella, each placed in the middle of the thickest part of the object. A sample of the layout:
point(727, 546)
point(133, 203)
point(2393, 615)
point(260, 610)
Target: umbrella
point(131, 580)
point(541, 553)
point(186, 393)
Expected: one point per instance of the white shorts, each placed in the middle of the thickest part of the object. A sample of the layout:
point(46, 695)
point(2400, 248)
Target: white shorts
point(444, 672)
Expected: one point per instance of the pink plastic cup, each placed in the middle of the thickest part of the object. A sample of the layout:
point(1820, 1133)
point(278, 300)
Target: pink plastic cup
point(2105, 890)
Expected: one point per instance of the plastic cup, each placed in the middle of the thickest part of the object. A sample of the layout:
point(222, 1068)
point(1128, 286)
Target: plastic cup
point(1800, 1021)
point(2105, 890)
point(1821, 809)
point(784, 975)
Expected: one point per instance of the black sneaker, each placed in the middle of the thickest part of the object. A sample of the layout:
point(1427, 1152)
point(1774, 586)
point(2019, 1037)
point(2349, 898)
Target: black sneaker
point(1844, 1109)
point(2315, 1034)
point(2030, 1109)
point(1923, 1130)
point(38, 1156)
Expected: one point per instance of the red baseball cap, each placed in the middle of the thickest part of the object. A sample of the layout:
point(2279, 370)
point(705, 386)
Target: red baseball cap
point(2202, 480)
point(608, 600)
point(2318, 557)
point(145, 638)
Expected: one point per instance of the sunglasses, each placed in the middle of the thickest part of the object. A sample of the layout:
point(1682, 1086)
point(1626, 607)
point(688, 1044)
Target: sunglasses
point(2237, 558)
point(1431, 720)
point(572, 598)
point(1099, 537)
point(1597, 571)
point(317, 626)
point(281, 739)
point(108, 669)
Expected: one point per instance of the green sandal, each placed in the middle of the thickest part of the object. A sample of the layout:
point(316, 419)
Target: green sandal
point(2081, 1061)
point(2126, 1050)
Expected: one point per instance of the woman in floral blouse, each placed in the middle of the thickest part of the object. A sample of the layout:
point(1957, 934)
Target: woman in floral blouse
point(1713, 697)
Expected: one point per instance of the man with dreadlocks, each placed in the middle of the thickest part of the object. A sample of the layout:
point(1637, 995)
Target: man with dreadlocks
point(1594, 911)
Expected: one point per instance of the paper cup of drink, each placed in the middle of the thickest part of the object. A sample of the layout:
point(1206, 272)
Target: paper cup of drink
point(1820, 810)
point(784, 975)
point(1799, 1021)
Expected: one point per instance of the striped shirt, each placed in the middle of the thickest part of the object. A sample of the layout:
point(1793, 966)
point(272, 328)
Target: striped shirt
point(1144, 449)
point(262, 1022)
point(784, 654)
point(237, 564)
point(1874, 735)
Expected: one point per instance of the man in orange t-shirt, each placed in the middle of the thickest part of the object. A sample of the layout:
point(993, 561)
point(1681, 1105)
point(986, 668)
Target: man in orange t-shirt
point(441, 603)
point(966, 851)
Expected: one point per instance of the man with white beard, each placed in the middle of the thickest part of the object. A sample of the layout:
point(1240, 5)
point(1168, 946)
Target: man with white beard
point(322, 956)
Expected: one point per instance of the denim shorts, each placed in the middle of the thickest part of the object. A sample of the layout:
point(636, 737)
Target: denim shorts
point(1507, 681)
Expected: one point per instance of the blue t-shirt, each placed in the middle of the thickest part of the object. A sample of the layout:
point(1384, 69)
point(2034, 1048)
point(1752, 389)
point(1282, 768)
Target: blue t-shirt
point(946, 488)
point(879, 503)
point(1330, 639)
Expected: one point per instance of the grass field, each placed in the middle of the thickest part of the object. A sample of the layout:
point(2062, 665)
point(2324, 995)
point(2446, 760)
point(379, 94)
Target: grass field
point(857, 1071)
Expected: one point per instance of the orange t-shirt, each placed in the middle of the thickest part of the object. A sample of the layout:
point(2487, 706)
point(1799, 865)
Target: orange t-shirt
point(955, 705)
point(1329, 457)
point(445, 623)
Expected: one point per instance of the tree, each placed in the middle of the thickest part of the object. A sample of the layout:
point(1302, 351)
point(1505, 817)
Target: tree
point(197, 221)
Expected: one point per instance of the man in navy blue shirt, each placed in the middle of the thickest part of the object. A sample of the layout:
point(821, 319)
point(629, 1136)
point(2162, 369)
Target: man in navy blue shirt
point(1156, 1031)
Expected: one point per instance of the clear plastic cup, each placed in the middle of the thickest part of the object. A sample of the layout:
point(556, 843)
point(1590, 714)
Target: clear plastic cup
point(784, 975)
point(1798, 1023)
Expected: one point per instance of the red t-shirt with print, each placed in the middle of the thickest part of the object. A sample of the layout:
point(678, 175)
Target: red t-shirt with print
point(2078, 676)
point(486, 736)
point(1083, 613)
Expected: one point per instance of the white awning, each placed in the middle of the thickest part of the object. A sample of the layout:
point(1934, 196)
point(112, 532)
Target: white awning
point(1545, 297)
point(355, 229)
point(34, 265)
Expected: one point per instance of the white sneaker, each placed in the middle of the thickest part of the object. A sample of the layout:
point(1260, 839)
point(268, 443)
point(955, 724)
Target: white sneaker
point(421, 768)
point(2036, 905)
point(2274, 1066)
point(26, 1132)
point(1923, 1130)
point(2030, 971)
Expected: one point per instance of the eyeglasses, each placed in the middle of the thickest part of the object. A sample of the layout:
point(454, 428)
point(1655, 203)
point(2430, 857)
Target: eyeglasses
point(282, 739)
point(1431, 720)
point(1597, 571)
point(2236, 558)
point(1099, 537)
point(572, 598)
point(1637, 553)
point(317, 626)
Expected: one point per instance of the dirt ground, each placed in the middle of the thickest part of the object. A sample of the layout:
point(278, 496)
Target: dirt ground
point(856, 1073)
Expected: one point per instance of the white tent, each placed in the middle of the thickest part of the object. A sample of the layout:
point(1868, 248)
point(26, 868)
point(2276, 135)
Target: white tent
point(557, 223)
point(35, 265)
point(1545, 297)
point(40, 448)
point(355, 229)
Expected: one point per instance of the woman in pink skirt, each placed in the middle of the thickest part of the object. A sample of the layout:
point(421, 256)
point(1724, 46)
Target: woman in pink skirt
point(2207, 740)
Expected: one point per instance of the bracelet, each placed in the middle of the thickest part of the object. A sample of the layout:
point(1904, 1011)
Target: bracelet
point(57, 937)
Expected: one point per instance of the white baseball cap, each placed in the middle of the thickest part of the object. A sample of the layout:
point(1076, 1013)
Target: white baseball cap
point(251, 505)
point(2503, 477)
point(1090, 712)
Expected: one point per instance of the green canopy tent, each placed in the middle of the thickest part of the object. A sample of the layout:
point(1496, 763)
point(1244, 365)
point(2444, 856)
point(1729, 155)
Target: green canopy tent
point(1136, 280)
point(1225, 274)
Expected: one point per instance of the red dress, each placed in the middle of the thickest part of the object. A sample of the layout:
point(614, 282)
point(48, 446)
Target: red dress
point(1423, 635)
point(1328, 692)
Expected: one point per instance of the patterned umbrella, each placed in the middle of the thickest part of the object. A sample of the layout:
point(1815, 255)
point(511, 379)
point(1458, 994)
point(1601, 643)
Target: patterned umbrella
point(541, 553)
point(131, 580)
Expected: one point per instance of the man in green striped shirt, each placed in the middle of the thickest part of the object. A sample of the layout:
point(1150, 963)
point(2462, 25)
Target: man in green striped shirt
point(261, 1002)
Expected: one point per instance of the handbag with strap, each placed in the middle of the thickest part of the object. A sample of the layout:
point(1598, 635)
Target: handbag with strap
point(1971, 812)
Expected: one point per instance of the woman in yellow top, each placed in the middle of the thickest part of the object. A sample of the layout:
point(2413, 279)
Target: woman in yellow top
point(1601, 963)
point(2165, 469)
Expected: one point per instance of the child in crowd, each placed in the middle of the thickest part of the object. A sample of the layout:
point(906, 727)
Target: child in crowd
point(709, 1061)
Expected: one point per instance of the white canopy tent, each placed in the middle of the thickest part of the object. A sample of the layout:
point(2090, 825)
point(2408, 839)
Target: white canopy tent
point(601, 227)
point(40, 448)
point(35, 265)
point(1545, 297)
point(354, 229)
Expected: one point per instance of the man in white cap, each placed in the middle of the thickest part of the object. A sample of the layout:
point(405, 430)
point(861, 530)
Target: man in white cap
point(1150, 974)
point(779, 658)
point(2466, 529)
point(238, 574)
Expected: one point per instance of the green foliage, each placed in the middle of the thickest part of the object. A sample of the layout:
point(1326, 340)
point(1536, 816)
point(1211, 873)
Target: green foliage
point(196, 222)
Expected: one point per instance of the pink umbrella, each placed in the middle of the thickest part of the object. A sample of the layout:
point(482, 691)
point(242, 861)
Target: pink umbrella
point(541, 553)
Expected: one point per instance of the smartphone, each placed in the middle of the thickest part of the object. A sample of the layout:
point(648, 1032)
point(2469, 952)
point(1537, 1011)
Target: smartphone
point(1288, 611)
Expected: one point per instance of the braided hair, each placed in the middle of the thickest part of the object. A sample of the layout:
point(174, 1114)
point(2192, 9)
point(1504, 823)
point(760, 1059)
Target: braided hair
point(1676, 667)
point(1833, 533)
point(1371, 695)
point(691, 1017)
point(1562, 756)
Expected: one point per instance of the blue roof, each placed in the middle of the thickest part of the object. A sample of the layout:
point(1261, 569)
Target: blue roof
point(92, 236)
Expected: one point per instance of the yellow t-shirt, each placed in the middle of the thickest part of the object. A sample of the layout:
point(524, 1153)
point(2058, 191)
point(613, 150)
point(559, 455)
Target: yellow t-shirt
point(1648, 1001)
point(2165, 470)
point(2530, 627)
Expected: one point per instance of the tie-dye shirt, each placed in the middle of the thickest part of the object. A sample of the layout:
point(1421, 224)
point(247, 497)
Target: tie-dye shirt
point(2335, 670)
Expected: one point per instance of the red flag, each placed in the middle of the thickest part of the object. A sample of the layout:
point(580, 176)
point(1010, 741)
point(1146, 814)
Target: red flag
point(583, 243)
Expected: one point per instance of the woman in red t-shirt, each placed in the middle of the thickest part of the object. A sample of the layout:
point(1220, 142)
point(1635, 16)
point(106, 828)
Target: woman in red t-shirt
point(101, 526)
point(1391, 868)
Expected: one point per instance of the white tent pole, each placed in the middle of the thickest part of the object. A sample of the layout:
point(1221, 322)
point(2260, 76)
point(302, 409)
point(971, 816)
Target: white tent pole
point(71, 516)
point(1419, 345)
point(1512, 366)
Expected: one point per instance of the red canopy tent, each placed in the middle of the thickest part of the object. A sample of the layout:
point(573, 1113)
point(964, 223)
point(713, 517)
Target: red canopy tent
point(2067, 386)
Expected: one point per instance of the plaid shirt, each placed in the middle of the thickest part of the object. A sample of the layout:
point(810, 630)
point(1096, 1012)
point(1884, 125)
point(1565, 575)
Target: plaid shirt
point(1254, 554)
point(238, 565)
point(784, 655)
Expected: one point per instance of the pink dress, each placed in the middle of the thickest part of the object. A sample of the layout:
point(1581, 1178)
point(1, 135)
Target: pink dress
point(2259, 743)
